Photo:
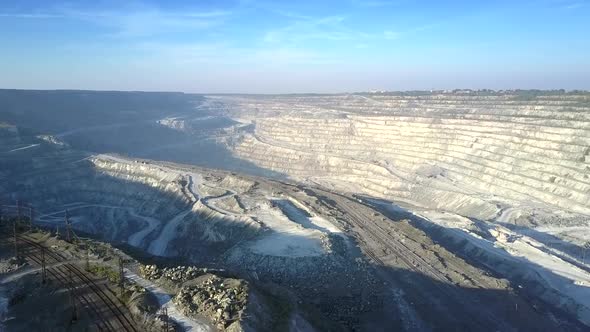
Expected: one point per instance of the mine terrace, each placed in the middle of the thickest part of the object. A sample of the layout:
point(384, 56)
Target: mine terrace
point(411, 210)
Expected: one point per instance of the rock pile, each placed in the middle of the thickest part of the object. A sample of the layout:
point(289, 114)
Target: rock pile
point(10, 265)
point(177, 274)
point(223, 300)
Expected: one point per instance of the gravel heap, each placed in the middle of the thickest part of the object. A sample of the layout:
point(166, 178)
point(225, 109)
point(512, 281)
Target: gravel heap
point(222, 300)
point(178, 273)
point(11, 264)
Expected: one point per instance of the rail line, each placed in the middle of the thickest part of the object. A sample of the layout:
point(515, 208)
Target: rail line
point(404, 253)
point(63, 274)
point(115, 309)
point(60, 276)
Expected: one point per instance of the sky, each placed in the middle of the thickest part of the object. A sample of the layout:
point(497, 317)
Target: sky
point(250, 46)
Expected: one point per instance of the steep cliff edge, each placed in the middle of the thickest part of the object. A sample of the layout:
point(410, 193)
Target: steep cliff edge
point(472, 155)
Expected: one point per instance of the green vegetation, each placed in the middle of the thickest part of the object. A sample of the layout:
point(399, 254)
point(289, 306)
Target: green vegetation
point(103, 271)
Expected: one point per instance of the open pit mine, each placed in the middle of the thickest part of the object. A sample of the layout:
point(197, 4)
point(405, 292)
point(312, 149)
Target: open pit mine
point(415, 211)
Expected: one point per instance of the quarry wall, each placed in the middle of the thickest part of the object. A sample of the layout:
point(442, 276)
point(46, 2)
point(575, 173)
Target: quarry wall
point(453, 152)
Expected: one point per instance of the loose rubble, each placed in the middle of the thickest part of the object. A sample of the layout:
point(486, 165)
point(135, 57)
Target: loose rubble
point(10, 265)
point(223, 300)
point(178, 273)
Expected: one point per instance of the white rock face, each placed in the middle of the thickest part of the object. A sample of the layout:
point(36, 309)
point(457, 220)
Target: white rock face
point(173, 123)
point(457, 153)
point(53, 140)
point(274, 233)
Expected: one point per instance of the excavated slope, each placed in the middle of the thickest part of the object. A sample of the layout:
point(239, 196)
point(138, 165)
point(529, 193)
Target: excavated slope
point(460, 153)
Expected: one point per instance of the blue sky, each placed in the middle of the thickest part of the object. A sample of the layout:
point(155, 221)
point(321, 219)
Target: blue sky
point(294, 46)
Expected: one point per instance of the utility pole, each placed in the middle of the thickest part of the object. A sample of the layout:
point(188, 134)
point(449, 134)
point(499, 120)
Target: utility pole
point(72, 299)
point(121, 277)
point(165, 318)
point(43, 267)
point(18, 212)
point(15, 240)
point(87, 259)
point(31, 217)
point(68, 228)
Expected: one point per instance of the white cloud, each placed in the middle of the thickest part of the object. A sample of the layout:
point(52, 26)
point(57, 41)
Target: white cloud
point(134, 21)
point(391, 35)
point(221, 54)
point(332, 28)
point(31, 16)
point(575, 5)
point(329, 28)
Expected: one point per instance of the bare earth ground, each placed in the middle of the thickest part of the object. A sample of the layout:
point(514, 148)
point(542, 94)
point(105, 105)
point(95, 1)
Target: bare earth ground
point(440, 288)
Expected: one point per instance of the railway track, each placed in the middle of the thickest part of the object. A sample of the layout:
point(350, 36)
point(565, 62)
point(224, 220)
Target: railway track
point(404, 253)
point(61, 276)
point(64, 273)
point(123, 323)
point(408, 257)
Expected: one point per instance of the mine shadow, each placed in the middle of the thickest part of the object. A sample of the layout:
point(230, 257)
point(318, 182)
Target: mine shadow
point(443, 306)
point(91, 181)
point(85, 173)
point(125, 123)
point(65, 187)
point(156, 142)
point(487, 261)
point(483, 228)
point(56, 111)
point(553, 241)
point(52, 192)
point(548, 240)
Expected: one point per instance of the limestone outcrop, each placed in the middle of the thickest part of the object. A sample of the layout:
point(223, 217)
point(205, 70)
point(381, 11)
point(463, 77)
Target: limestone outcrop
point(462, 153)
